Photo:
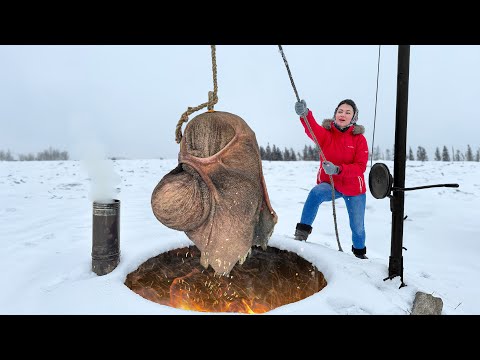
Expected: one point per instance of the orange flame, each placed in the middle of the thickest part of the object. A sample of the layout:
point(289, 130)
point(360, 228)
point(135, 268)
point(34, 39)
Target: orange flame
point(214, 295)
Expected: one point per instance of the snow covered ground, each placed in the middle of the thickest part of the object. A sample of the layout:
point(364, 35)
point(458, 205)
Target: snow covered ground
point(46, 240)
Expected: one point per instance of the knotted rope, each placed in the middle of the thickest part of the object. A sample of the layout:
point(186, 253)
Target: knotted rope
point(212, 100)
point(318, 146)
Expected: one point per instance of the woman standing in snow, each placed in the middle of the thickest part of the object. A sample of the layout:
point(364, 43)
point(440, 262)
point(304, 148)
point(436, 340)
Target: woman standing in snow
point(344, 145)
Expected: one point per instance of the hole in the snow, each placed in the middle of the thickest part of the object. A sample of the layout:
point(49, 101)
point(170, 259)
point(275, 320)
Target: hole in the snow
point(266, 280)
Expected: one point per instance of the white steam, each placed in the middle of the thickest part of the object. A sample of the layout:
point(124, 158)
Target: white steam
point(102, 175)
point(94, 160)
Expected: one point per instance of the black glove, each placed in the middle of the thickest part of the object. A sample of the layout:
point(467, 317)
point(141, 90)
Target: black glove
point(330, 168)
point(301, 108)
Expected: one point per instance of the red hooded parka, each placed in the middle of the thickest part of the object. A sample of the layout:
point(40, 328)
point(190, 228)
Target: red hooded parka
point(348, 150)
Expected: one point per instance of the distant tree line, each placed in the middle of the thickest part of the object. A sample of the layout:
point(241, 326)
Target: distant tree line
point(45, 155)
point(310, 153)
point(274, 153)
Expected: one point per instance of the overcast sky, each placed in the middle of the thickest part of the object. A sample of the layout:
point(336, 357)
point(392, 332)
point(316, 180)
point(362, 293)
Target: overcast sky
point(129, 98)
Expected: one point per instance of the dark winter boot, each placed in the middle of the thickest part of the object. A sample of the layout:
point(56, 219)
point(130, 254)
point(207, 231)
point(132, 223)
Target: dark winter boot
point(360, 253)
point(302, 231)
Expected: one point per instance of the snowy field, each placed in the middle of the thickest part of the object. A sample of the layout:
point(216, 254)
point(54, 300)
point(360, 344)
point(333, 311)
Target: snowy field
point(46, 240)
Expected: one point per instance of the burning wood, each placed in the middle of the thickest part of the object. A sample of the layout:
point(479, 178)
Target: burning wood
point(217, 193)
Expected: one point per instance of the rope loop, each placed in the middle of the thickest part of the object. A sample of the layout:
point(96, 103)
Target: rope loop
point(212, 100)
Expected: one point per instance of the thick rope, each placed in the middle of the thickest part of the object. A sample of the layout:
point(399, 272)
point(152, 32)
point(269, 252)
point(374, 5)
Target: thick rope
point(318, 147)
point(212, 100)
point(375, 116)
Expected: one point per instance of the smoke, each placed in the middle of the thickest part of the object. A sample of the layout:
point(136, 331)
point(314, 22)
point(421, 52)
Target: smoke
point(94, 161)
point(102, 174)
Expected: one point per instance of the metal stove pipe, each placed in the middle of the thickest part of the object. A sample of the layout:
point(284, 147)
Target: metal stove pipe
point(105, 236)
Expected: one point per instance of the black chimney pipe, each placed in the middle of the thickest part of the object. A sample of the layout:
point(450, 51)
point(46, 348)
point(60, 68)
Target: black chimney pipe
point(105, 236)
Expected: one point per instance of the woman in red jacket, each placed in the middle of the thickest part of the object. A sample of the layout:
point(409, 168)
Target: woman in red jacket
point(345, 147)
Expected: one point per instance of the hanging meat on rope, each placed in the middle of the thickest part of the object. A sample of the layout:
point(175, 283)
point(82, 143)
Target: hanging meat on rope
point(217, 194)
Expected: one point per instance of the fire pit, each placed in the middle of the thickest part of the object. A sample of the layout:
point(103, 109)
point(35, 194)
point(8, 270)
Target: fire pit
point(266, 280)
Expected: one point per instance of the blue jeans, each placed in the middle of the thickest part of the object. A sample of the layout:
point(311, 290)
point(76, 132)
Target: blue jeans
point(355, 207)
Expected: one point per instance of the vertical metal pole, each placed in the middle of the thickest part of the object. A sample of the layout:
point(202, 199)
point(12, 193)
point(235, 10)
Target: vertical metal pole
point(397, 200)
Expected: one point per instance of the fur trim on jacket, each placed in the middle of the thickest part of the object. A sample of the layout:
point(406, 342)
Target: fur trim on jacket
point(357, 129)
